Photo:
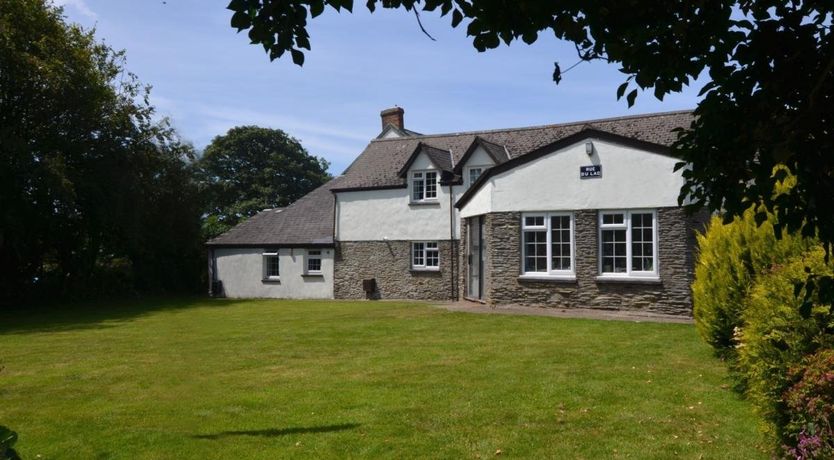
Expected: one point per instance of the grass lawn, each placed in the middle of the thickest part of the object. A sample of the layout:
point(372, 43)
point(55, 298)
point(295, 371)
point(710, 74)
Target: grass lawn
point(267, 379)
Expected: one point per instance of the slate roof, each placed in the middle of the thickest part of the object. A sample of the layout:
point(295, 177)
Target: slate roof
point(309, 221)
point(442, 159)
point(306, 222)
point(379, 164)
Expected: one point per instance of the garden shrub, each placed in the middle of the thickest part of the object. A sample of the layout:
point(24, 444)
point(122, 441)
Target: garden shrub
point(810, 409)
point(777, 338)
point(731, 256)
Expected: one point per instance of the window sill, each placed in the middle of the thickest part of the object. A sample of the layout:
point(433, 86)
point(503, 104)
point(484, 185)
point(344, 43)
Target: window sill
point(271, 280)
point(549, 278)
point(424, 203)
point(312, 275)
point(425, 270)
point(629, 279)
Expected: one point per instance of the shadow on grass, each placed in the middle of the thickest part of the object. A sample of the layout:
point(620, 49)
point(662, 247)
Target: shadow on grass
point(276, 432)
point(99, 314)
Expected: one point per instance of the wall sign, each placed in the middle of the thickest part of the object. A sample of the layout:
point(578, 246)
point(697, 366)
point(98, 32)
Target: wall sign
point(587, 172)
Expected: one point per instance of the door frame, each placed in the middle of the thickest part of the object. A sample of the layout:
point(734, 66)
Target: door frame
point(479, 221)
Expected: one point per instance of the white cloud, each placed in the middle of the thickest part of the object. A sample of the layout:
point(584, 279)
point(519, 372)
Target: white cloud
point(80, 7)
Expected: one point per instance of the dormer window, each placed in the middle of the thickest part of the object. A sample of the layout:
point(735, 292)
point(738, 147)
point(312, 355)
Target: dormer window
point(473, 173)
point(423, 186)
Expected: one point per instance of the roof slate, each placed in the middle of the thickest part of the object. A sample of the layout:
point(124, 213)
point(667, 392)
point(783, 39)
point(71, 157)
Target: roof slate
point(309, 221)
point(379, 164)
point(306, 222)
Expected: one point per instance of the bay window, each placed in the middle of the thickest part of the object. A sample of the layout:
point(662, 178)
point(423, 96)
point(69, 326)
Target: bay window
point(547, 244)
point(628, 243)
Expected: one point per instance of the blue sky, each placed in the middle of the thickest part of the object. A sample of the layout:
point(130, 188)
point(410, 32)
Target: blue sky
point(207, 78)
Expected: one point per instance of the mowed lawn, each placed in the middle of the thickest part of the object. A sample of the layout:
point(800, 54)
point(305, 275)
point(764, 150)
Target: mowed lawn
point(267, 379)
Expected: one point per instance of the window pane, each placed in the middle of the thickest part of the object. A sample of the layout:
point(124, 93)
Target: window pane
point(614, 249)
point(431, 185)
point(474, 174)
point(272, 267)
point(314, 265)
point(535, 251)
point(610, 219)
point(534, 221)
point(418, 254)
point(432, 255)
point(642, 242)
point(560, 243)
point(417, 189)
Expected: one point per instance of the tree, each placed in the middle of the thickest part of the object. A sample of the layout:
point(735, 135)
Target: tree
point(249, 169)
point(95, 193)
point(768, 101)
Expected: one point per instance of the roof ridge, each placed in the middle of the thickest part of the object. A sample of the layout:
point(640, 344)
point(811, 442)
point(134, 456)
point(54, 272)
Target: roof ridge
point(527, 128)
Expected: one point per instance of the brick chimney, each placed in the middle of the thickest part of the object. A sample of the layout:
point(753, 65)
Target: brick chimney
point(393, 116)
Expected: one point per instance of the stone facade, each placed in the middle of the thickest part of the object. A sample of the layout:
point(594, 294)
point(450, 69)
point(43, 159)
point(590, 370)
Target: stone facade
point(389, 262)
point(671, 295)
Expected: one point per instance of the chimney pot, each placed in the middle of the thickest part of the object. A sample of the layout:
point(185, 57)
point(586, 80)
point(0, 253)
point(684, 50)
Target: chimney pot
point(393, 116)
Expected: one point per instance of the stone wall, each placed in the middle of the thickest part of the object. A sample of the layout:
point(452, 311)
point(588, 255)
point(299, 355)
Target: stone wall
point(676, 250)
point(389, 262)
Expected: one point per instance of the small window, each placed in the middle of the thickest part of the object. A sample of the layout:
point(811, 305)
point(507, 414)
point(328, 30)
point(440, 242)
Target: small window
point(547, 244)
point(272, 267)
point(425, 255)
point(628, 243)
point(423, 186)
point(473, 174)
point(314, 261)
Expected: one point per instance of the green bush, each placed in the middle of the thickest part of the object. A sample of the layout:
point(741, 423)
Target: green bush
point(810, 409)
point(777, 338)
point(731, 256)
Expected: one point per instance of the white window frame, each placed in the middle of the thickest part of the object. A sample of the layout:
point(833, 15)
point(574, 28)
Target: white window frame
point(268, 254)
point(468, 174)
point(550, 273)
point(629, 273)
point(424, 266)
point(312, 254)
point(420, 176)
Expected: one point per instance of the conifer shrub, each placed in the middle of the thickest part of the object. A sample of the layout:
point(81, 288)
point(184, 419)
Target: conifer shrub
point(730, 258)
point(777, 339)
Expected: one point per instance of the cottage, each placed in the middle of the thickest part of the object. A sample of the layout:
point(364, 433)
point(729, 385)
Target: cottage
point(580, 214)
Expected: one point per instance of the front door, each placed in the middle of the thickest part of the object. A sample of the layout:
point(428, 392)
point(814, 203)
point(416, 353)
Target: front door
point(476, 258)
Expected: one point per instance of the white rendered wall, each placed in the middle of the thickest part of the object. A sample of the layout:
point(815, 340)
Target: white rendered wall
point(241, 271)
point(631, 178)
point(479, 158)
point(375, 215)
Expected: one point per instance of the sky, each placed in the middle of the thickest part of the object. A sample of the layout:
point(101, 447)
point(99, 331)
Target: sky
point(207, 78)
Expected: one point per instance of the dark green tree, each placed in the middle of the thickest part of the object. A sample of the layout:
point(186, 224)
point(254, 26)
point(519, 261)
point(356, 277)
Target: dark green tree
point(768, 100)
point(95, 193)
point(249, 169)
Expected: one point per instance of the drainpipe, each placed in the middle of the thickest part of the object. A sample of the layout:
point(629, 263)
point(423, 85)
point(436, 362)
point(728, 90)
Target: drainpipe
point(452, 248)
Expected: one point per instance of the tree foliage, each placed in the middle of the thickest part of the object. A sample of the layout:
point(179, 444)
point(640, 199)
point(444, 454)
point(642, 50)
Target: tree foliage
point(249, 169)
point(95, 194)
point(779, 340)
point(730, 258)
point(767, 102)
